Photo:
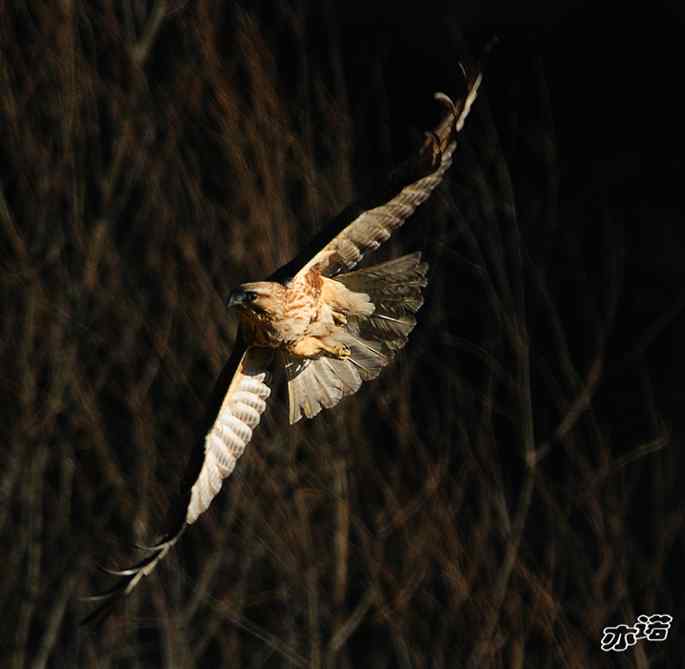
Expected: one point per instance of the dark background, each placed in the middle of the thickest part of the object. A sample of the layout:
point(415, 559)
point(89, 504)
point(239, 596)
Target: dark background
point(155, 155)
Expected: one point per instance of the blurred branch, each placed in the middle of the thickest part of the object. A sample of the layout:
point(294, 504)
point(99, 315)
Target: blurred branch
point(269, 639)
point(348, 627)
point(56, 615)
point(141, 50)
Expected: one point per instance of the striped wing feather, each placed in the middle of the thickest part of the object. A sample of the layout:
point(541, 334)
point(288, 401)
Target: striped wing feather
point(240, 408)
point(412, 184)
point(238, 416)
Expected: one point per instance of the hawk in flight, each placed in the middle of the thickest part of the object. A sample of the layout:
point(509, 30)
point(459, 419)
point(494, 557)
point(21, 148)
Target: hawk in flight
point(331, 326)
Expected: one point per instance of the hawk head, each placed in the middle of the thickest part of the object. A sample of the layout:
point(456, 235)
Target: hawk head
point(258, 296)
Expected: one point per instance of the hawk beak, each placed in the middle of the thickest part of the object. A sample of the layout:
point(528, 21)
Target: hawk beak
point(239, 297)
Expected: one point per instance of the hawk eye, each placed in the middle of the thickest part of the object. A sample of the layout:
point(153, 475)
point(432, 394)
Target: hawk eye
point(241, 297)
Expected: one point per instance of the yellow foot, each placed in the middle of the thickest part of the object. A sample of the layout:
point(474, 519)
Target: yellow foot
point(311, 347)
point(341, 351)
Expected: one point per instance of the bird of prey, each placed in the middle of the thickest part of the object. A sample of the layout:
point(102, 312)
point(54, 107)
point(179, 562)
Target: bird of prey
point(331, 326)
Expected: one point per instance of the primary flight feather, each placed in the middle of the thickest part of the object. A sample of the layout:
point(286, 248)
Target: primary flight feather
point(331, 326)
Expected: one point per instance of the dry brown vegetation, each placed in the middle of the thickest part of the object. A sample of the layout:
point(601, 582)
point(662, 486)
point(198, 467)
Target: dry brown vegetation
point(477, 506)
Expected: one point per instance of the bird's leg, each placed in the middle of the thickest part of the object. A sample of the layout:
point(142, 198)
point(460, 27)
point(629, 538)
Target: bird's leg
point(310, 347)
point(336, 349)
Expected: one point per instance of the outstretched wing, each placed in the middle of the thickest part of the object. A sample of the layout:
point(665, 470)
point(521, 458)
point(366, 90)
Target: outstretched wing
point(363, 227)
point(235, 413)
point(238, 416)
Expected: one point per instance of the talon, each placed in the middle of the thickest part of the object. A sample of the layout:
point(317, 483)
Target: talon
point(343, 351)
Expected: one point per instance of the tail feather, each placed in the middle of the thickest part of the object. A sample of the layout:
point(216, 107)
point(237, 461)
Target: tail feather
point(392, 330)
point(368, 356)
point(318, 384)
point(394, 288)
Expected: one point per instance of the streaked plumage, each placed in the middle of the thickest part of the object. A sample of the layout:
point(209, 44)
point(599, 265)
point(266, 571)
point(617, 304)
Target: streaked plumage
point(331, 326)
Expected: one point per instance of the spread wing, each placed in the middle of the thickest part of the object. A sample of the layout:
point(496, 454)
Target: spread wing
point(235, 413)
point(363, 227)
point(238, 416)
